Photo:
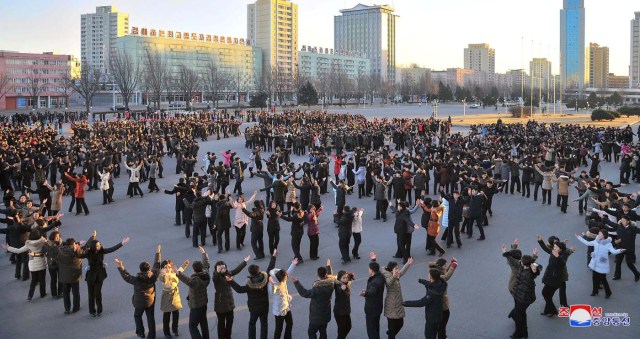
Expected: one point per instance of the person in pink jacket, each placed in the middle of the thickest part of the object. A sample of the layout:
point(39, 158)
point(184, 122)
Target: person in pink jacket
point(227, 157)
point(240, 219)
point(313, 231)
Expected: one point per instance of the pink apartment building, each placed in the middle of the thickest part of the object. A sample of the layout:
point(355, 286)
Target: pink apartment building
point(36, 80)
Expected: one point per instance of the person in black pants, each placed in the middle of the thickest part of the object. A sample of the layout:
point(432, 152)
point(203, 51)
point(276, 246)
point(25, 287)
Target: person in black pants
point(257, 297)
point(223, 221)
point(257, 228)
point(70, 256)
point(198, 283)
point(476, 203)
point(344, 233)
point(456, 204)
point(179, 189)
point(548, 247)
point(627, 240)
point(552, 278)
point(273, 225)
point(199, 209)
point(52, 261)
point(96, 274)
point(432, 302)
point(297, 228)
point(380, 197)
point(320, 305)
point(373, 298)
point(224, 304)
point(342, 307)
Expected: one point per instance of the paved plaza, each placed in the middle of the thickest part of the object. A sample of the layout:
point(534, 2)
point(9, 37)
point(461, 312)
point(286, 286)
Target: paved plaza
point(478, 296)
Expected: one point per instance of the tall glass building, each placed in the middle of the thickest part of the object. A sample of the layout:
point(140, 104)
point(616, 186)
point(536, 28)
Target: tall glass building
point(572, 59)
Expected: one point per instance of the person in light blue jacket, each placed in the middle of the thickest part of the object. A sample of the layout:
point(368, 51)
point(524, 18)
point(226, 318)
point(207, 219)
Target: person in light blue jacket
point(361, 177)
point(599, 263)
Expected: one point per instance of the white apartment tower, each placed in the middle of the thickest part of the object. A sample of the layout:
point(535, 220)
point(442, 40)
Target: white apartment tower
point(370, 30)
point(540, 70)
point(481, 58)
point(98, 33)
point(272, 25)
point(634, 65)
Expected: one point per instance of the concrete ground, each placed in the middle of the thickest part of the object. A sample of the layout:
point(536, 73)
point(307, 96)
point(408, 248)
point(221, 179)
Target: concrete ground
point(478, 295)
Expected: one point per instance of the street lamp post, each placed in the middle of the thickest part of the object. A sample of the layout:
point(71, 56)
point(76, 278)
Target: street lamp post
point(464, 107)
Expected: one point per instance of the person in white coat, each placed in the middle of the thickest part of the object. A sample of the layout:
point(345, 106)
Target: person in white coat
point(599, 263)
point(240, 220)
point(281, 299)
point(37, 261)
point(134, 178)
point(170, 301)
point(356, 230)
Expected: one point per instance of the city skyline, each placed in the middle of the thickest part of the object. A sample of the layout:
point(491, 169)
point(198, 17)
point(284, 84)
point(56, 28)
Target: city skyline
point(421, 27)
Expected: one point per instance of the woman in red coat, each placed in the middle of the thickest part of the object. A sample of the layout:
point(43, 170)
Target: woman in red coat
point(79, 192)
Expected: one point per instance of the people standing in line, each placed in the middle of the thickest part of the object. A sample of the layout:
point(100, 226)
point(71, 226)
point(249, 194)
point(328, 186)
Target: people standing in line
point(170, 300)
point(281, 299)
point(224, 305)
point(313, 231)
point(373, 298)
point(257, 296)
point(144, 293)
point(445, 274)
point(96, 273)
point(198, 297)
point(432, 302)
point(599, 263)
point(320, 305)
point(356, 230)
point(393, 309)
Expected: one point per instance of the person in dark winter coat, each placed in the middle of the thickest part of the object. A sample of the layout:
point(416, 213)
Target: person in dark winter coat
point(552, 278)
point(297, 229)
point(320, 305)
point(342, 307)
point(198, 298)
point(344, 233)
point(340, 191)
point(524, 294)
point(199, 208)
point(432, 302)
point(223, 304)
point(373, 298)
point(144, 293)
point(223, 221)
point(403, 229)
point(96, 273)
point(70, 256)
point(548, 247)
point(179, 189)
point(256, 228)
point(257, 296)
point(273, 225)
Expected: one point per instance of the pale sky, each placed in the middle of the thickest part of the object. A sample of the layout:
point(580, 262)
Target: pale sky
point(431, 33)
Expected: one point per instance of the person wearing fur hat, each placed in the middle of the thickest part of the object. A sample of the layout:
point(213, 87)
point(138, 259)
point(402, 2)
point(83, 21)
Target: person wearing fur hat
point(197, 299)
point(320, 305)
point(144, 293)
point(257, 296)
point(281, 299)
point(432, 302)
point(446, 272)
point(599, 263)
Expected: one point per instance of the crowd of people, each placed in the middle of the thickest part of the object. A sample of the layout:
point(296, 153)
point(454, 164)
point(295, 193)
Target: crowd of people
point(406, 166)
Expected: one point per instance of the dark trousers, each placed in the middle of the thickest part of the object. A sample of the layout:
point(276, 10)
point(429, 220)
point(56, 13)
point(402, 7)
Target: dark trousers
point(535, 190)
point(257, 244)
point(80, 205)
point(212, 229)
point(166, 319)
point(199, 229)
point(455, 227)
point(105, 197)
point(225, 324)
point(597, 279)
point(526, 189)
point(198, 317)
point(22, 266)
point(478, 220)
point(295, 245)
point(343, 244)
point(442, 327)
point(68, 289)
point(406, 249)
point(357, 239)
point(314, 242)
point(629, 258)
point(240, 234)
point(520, 318)
point(134, 187)
point(227, 242)
point(151, 320)
point(563, 294)
point(515, 181)
point(431, 329)
point(264, 324)
point(344, 325)
point(373, 325)
point(562, 202)
point(152, 185)
point(381, 209)
point(280, 320)
point(317, 328)
point(274, 240)
point(178, 217)
point(38, 277)
point(95, 296)
point(433, 245)
point(547, 292)
point(394, 326)
point(56, 287)
point(546, 196)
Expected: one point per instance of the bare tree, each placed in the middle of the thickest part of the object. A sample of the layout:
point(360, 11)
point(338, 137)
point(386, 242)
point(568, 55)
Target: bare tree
point(125, 74)
point(280, 83)
point(66, 87)
point(375, 82)
point(35, 85)
point(187, 81)
point(155, 75)
point(87, 83)
point(5, 85)
point(341, 83)
point(215, 81)
point(268, 84)
point(362, 86)
point(323, 84)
